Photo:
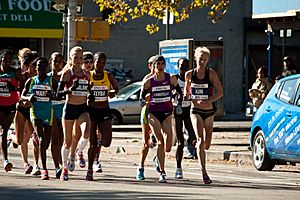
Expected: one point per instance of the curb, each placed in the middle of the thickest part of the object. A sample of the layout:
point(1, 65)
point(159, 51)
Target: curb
point(241, 156)
point(215, 129)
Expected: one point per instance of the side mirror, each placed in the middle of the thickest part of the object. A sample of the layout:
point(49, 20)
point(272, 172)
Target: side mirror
point(133, 97)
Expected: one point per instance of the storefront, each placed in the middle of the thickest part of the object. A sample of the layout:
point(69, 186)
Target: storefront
point(28, 23)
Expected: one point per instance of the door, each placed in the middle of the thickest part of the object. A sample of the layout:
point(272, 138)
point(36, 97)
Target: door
point(292, 137)
point(132, 108)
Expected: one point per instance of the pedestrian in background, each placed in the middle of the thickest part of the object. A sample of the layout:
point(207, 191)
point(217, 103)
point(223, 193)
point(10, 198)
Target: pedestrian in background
point(289, 67)
point(203, 86)
point(260, 87)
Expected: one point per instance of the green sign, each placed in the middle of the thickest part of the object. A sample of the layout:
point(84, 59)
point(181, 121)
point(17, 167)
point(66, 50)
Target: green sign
point(29, 15)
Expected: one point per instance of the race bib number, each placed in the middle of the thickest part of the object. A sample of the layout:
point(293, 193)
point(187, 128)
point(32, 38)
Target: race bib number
point(100, 93)
point(82, 88)
point(199, 91)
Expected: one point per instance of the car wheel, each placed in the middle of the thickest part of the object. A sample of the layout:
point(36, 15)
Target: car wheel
point(260, 155)
point(116, 117)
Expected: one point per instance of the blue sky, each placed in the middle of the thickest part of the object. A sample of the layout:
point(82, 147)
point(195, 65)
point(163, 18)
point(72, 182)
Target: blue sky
point(274, 6)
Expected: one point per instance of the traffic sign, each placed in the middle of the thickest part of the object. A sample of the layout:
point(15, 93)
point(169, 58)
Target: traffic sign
point(79, 9)
point(63, 8)
point(56, 7)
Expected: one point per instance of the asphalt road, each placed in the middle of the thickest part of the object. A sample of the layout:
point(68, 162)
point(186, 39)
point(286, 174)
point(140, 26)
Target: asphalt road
point(231, 179)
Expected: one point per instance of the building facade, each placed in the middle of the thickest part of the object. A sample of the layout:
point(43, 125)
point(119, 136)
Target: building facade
point(239, 40)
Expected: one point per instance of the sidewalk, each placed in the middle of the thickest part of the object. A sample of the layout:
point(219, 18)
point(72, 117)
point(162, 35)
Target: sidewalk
point(219, 126)
point(230, 140)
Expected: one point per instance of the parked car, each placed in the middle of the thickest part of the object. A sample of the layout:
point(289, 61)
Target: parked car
point(125, 107)
point(275, 131)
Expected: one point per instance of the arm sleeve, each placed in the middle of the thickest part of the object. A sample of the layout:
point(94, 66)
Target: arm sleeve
point(60, 89)
point(179, 91)
point(143, 93)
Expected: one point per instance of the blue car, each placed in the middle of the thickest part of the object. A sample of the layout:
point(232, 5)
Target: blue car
point(275, 131)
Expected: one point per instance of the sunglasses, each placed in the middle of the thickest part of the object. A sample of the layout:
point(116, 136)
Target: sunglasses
point(88, 62)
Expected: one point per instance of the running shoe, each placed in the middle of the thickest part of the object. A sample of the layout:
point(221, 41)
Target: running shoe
point(190, 156)
point(178, 173)
point(97, 167)
point(7, 165)
point(58, 171)
point(153, 141)
point(64, 175)
point(71, 164)
point(27, 168)
point(36, 171)
point(140, 174)
point(89, 175)
point(80, 160)
point(11, 135)
point(156, 163)
point(15, 145)
point(162, 178)
point(206, 179)
point(45, 175)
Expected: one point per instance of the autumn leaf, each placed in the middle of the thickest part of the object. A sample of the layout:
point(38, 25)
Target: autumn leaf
point(125, 9)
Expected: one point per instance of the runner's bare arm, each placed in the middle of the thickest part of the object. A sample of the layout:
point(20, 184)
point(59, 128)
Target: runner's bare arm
point(187, 90)
point(217, 84)
point(25, 91)
point(113, 82)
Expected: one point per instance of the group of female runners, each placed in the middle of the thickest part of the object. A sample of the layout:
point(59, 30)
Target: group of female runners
point(60, 107)
point(69, 107)
point(202, 88)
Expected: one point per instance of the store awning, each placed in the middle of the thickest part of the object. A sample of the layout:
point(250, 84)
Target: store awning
point(29, 19)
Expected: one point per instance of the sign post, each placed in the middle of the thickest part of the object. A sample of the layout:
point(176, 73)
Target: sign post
point(269, 32)
point(71, 26)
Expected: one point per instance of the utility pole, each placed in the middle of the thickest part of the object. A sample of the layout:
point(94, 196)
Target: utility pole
point(168, 22)
point(72, 4)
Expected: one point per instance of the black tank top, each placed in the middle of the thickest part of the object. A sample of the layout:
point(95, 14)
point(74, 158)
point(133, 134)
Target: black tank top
point(201, 88)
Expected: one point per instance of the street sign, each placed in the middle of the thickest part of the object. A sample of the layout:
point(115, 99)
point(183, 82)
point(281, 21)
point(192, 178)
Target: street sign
point(79, 9)
point(63, 8)
point(56, 7)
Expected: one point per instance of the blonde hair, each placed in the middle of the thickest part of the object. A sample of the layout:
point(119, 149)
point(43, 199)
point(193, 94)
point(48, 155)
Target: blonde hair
point(201, 50)
point(22, 52)
point(74, 50)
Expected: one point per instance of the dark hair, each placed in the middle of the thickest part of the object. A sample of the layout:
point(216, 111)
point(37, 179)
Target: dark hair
point(42, 59)
point(6, 52)
point(100, 55)
point(159, 58)
point(264, 71)
point(288, 59)
point(55, 54)
point(183, 59)
point(29, 57)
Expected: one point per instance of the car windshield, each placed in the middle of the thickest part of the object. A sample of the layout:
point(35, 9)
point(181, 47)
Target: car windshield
point(126, 91)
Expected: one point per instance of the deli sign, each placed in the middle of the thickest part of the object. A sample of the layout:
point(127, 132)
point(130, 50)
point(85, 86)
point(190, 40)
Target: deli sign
point(29, 18)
